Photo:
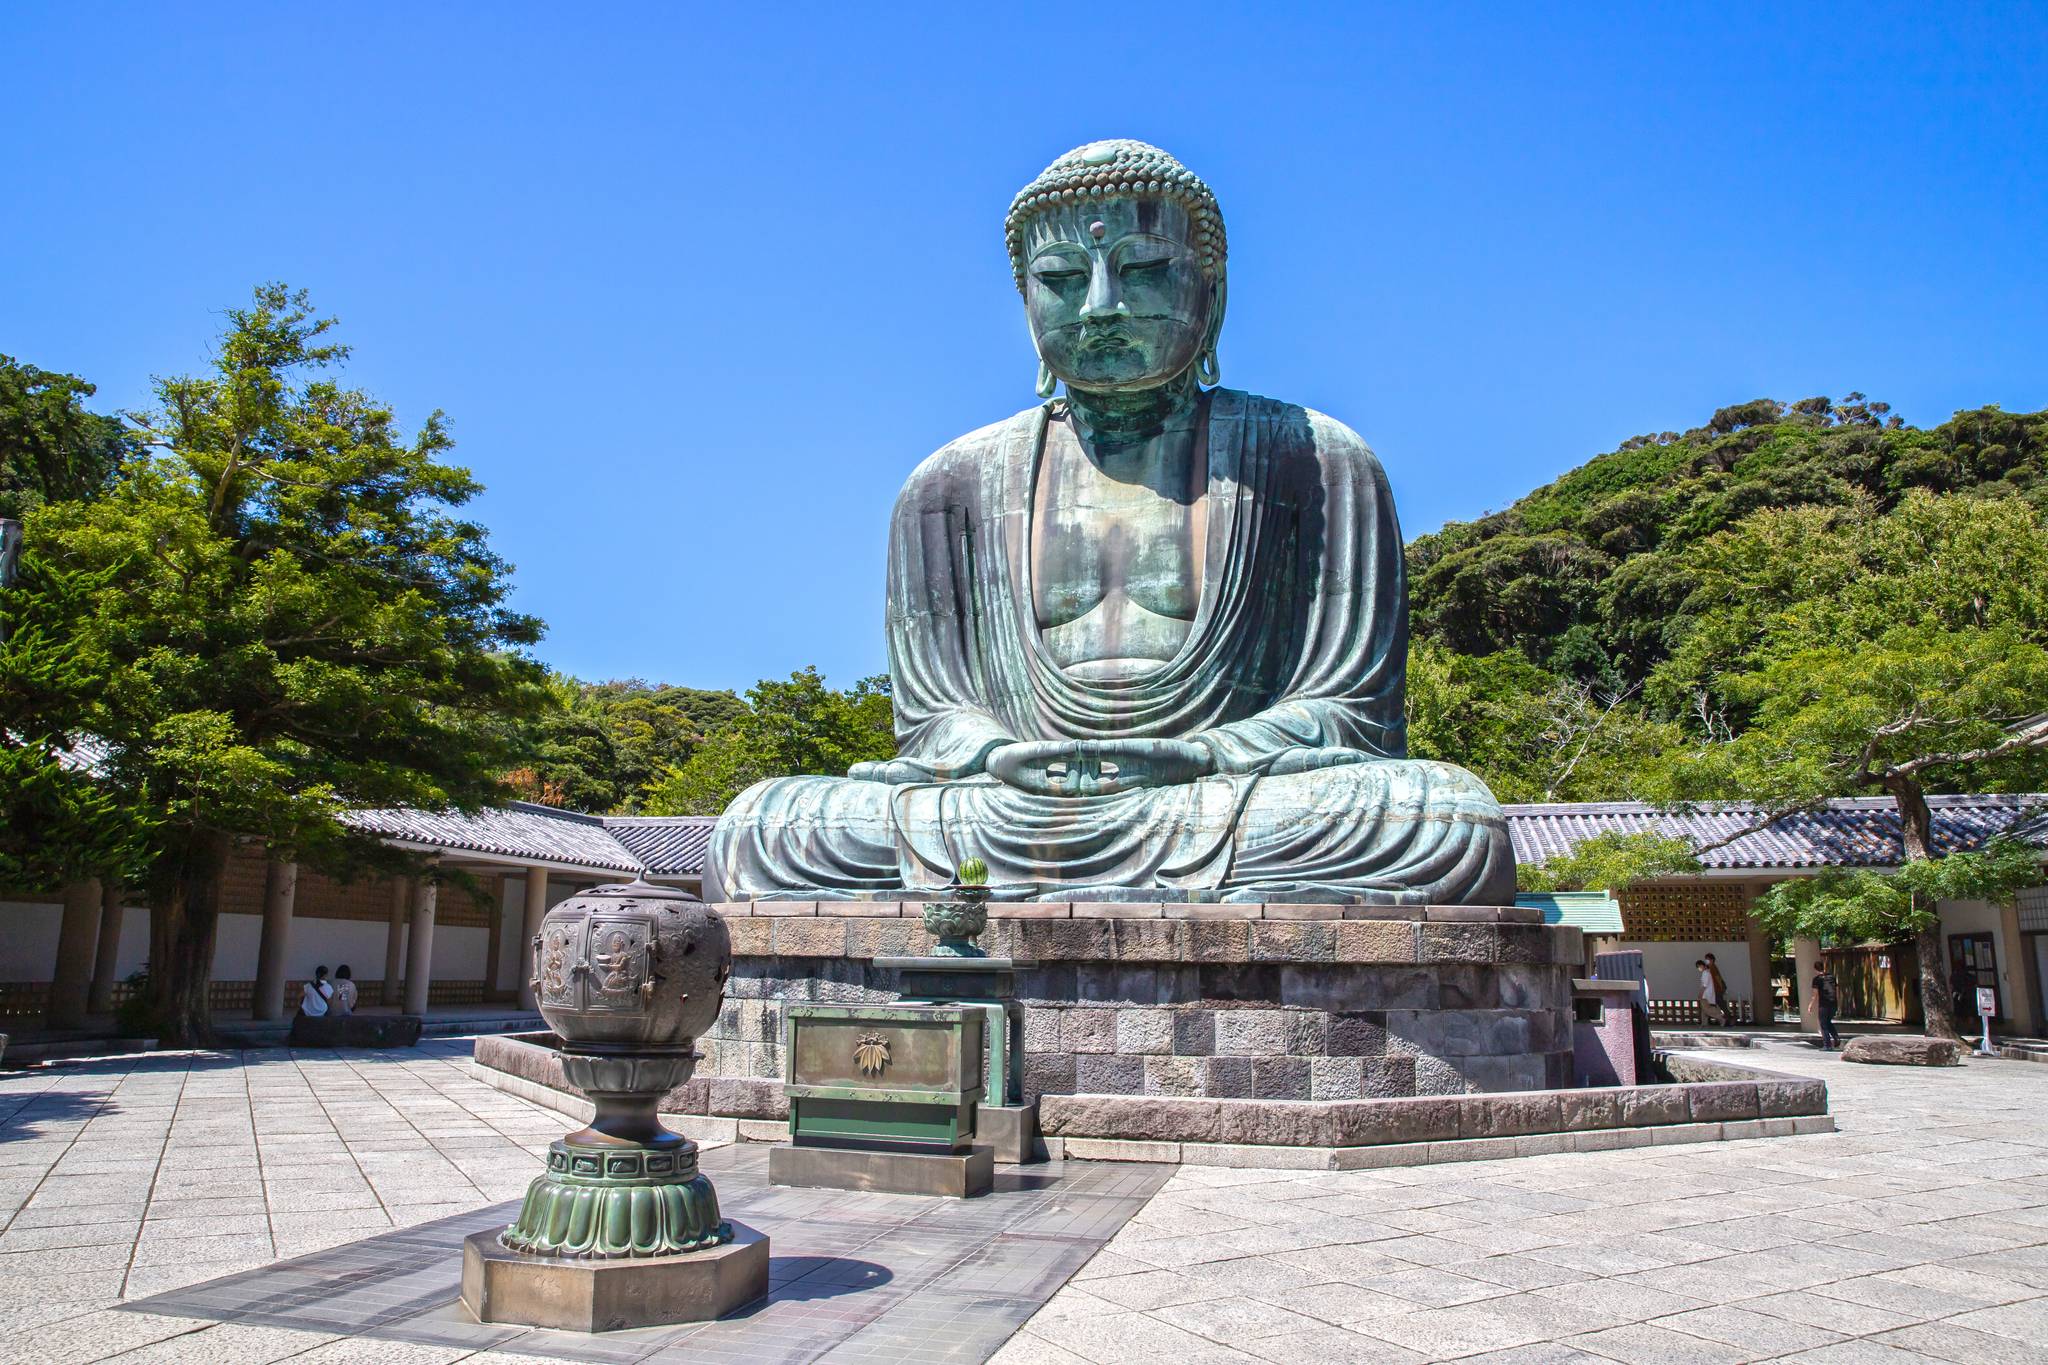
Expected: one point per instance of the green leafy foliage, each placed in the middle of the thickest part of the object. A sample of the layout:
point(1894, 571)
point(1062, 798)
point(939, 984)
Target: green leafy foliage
point(1838, 653)
point(282, 616)
point(58, 821)
point(798, 726)
point(1607, 547)
point(1610, 862)
point(1847, 906)
point(1531, 734)
point(52, 449)
point(599, 745)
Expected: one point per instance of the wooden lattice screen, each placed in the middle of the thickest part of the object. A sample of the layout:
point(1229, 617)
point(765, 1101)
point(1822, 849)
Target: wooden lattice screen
point(1695, 912)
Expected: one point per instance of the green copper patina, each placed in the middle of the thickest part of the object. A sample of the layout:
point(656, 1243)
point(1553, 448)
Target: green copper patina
point(1148, 640)
point(957, 921)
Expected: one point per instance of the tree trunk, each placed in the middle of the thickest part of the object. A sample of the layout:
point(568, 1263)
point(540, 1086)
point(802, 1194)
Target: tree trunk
point(182, 925)
point(1916, 832)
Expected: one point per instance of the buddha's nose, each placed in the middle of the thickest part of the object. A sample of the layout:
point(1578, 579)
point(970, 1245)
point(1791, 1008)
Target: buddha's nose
point(1105, 300)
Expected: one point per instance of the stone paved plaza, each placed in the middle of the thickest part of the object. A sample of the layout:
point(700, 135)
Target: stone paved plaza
point(1919, 1231)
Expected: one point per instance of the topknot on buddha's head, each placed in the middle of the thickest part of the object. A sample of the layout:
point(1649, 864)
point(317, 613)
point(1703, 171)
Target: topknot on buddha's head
point(1118, 168)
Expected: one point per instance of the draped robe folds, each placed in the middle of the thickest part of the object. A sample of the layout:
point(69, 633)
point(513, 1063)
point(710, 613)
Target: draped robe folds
point(1300, 641)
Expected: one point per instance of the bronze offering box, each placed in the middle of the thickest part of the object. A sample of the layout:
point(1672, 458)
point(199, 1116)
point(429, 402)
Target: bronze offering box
point(884, 1077)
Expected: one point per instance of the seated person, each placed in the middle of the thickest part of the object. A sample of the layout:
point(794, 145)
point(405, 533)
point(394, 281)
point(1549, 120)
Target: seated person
point(344, 1001)
point(314, 997)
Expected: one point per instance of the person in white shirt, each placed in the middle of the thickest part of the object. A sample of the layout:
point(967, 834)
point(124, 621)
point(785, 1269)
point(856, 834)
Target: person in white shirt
point(344, 990)
point(1710, 998)
point(313, 999)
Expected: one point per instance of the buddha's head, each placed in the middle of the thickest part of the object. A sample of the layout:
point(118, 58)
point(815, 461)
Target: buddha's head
point(1118, 250)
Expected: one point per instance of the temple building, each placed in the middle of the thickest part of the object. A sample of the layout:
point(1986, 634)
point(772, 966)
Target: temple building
point(66, 953)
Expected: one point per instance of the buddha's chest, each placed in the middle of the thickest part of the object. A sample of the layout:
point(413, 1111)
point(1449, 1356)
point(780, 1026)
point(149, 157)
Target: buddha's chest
point(1116, 550)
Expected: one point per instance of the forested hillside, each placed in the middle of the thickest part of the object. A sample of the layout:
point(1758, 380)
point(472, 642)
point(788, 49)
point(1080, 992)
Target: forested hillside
point(1570, 645)
point(1609, 635)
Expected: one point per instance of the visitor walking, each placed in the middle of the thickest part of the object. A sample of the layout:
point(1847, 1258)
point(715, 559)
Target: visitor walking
point(313, 999)
point(344, 990)
point(1720, 986)
point(1824, 1006)
point(1710, 1000)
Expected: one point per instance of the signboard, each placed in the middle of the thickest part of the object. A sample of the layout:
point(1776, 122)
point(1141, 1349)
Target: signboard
point(1987, 1001)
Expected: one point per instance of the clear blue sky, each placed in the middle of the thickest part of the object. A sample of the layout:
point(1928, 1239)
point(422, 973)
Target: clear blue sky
point(699, 285)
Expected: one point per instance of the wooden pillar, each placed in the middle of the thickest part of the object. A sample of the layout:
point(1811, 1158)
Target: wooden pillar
point(496, 945)
point(71, 978)
point(1763, 1003)
point(394, 940)
point(419, 948)
point(107, 960)
point(536, 908)
point(280, 890)
point(1806, 961)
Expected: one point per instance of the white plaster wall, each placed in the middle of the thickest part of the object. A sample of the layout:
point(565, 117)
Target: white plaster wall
point(514, 911)
point(1668, 966)
point(28, 940)
point(134, 954)
point(234, 947)
point(331, 943)
point(459, 953)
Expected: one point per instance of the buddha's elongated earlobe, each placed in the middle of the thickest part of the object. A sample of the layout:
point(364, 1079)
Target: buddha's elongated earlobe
point(1046, 383)
point(1206, 367)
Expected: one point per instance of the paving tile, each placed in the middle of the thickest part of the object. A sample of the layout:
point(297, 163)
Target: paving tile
point(1340, 1303)
point(1235, 1321)
point(1135, 1337)
point(1329, 1346)
point(1642, 1341)
point(1152, 1289)
point(1759, 1333)
point(1842, 1316)
point(2026, 1321)
point(230, 1343)
point(1963, 1345)
point(94, 1336)
point(1025, 1348)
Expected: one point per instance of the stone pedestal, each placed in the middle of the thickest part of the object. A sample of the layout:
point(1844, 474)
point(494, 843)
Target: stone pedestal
point(956, 1175)
point(1008, 1130)
point(590, 1294)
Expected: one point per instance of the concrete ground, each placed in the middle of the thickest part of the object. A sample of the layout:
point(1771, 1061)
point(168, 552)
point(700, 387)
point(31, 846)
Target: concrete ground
point(1920, 1231)
point(1917, 1232)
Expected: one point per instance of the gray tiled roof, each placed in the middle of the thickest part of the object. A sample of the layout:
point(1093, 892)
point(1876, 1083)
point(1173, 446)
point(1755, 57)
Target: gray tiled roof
point(1849, 832)
point(1852, 832)
point(666, 845)
point(519, 830)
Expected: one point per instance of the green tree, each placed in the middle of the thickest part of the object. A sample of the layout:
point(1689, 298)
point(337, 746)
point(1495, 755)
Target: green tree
point(292, 621)
point(1531, 735)
point(1610, 862)
point(58, 821)
point(1862, 905)
point(52, 449)
point(1901, 654)
point(1603, 556)
point(798, 726)
point(572, 762)
point(598, 746)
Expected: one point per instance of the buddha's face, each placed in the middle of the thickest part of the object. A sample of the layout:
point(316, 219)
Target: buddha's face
point(1115, 293)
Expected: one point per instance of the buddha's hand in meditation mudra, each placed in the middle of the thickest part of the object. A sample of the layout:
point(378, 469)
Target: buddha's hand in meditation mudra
point(1098, 767)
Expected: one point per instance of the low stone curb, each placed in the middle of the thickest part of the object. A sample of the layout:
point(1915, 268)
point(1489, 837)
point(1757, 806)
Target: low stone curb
point(1238, 1155)
point(1708, 1093)
point(1707, 1101)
